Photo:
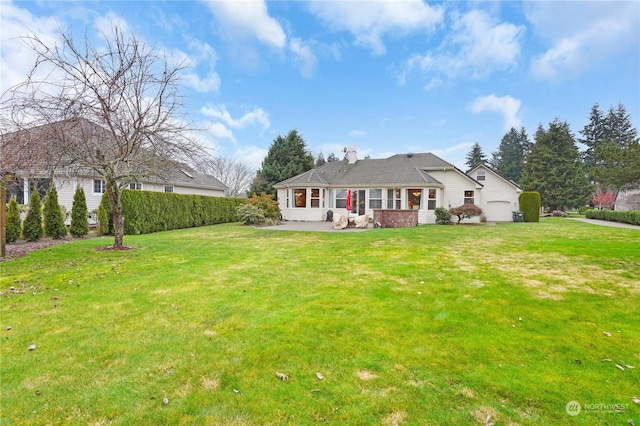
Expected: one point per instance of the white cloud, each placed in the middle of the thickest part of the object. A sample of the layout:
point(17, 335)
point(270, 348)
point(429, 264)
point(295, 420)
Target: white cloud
point(203, 59)
point(477, 46)
point(369, 21)
point(257, 117)
point(357, 133)
point(248, 19)
point(305, 58)
point(584, 35)
point(505, 105)
point(219, 131)
point(251, 156)
point(16, 60)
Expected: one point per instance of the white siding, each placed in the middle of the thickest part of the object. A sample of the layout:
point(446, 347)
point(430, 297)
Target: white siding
point(498, 197)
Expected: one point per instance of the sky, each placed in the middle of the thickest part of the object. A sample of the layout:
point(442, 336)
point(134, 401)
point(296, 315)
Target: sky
point(389, 77)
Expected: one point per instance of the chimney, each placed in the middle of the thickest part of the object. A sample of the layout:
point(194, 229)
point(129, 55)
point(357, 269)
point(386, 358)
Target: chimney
point(352, 154)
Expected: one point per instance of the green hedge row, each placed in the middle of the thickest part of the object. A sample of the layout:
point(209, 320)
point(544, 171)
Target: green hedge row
point(630, 216)
point(146, 212)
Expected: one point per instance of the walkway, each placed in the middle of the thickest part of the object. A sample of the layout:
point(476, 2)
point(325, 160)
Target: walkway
point(606, 223)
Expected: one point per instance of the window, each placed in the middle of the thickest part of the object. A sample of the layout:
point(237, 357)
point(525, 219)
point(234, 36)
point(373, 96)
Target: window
point(375, 198)
point(315, 197)
point(414, 198)
point(393, 199)
point(300, 197)
point(341, 198)
point(99, 186)
point(468, 197)
point(480, 175)
point(431, 201)
point(168, 188)
point(135, 185)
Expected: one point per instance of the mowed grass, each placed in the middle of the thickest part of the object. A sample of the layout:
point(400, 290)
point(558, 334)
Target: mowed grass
point(433, 325)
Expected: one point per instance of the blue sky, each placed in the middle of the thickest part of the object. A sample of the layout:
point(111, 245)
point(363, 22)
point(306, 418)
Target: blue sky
point(389, 77)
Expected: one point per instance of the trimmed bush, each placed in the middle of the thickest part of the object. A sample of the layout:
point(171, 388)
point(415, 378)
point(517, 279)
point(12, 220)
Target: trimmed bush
point(79, 214)
point(250, 214)
point(53, 219)
point(631, 217)
point(443, 216)
point(466, 211)
point(105, 225)
point(146, 212)
point(14, 224)
point(530, 206)
point(32, 229)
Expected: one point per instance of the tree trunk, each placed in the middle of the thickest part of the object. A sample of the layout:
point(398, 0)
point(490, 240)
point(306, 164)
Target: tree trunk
point(116, 211)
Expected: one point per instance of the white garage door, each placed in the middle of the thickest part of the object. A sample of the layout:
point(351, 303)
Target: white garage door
point(498, 211)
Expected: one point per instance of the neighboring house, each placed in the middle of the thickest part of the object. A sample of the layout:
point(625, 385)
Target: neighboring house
point(181, 179)
point(405, 181)
point(627, 200)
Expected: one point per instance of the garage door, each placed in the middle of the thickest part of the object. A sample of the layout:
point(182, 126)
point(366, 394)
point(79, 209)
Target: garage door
point(498, 211)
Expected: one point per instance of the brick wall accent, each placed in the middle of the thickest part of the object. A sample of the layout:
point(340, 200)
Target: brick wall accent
point(396, 218)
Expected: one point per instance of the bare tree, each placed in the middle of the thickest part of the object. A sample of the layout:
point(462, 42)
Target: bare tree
point(236, 175)
point(112, 110)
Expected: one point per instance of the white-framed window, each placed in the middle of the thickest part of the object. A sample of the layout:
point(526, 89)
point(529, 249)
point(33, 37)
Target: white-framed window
point(341, 198)
point(168, 188)
point(315, 197)
point(135, 185)
point(431, 199)
point(375, 198)
point(393, 199)
point(480, 175)
point(469, 197)
point(414, 198)
point(99, 186)
point(300, 197)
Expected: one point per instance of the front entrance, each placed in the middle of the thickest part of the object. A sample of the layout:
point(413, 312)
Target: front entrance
point(358, 205)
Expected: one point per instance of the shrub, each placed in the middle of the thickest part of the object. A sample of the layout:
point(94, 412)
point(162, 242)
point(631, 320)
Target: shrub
point(266, 203)
point(250, 214)
point(146, 212)
point(14, 224)
point(630, 216)
point(32, 229)
point(442, 216)
point(559, 213)
point(105, 227)
point(465, 211)
point(79, 214)
point(583, 209)
point(530, 206)
point(53, 219)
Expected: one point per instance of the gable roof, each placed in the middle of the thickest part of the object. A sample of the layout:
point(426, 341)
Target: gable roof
point(485, 167)
point(399, 169)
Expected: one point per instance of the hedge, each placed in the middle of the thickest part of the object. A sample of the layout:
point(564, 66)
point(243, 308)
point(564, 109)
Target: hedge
point(530, 206)
point(631, 216)
point(146, 212)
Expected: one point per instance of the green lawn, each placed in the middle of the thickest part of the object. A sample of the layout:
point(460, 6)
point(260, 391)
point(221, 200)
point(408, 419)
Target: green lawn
point(439, 325)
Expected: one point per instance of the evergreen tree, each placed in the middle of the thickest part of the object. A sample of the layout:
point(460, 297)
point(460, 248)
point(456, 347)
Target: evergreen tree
point(320, 161)
point(592, 135)
point(32, 228)
point(554, 169)
point(79, 214)
point(332, 157)
point(287, 157)
point(53, 221)
point(14, 224)
point(618, 127)
point(475, 157)
point(105, 216)
point(508, 160)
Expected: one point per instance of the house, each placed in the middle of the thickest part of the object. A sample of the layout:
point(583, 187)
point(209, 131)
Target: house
point(627, 200)
point(419, 182)
point(29, 160)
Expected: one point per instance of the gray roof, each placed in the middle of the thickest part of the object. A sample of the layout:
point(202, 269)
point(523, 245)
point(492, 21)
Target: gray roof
point(398, 170)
